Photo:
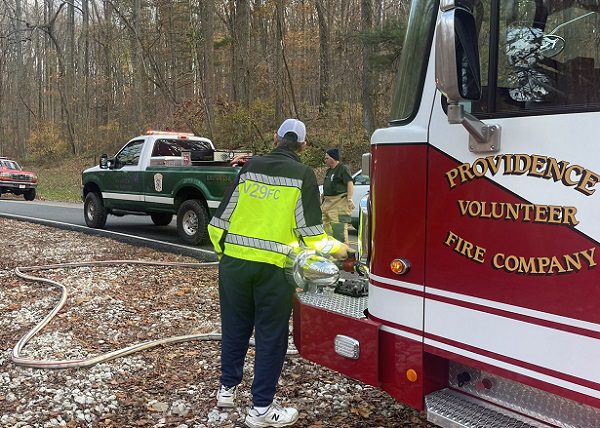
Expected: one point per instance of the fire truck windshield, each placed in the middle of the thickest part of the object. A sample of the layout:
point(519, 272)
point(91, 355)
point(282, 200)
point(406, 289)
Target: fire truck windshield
point(413, 60)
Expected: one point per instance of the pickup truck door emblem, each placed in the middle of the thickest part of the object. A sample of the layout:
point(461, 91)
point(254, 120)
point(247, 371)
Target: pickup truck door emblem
point(158, 182)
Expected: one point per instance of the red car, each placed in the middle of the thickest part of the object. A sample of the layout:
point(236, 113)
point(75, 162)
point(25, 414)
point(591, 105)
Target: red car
point(14, 180)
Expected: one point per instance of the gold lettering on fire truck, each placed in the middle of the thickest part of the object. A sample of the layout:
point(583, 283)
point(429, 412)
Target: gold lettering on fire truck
point(465, 248)
point(548, 168)
point(545, 265)
point(527, 265)
point(553, 214)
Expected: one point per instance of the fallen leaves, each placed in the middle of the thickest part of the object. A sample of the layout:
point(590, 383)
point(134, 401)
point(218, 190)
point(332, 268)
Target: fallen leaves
point(363, 410)
point(112, 307)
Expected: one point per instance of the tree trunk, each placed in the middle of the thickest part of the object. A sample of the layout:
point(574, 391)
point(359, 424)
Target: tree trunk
point(68, 76)
point(136, 63)
point(278, 74)
point(208, 66)
point(241, 49)
point(323, 55)
point(19, 81)
point(85, 10)
point(367, 72)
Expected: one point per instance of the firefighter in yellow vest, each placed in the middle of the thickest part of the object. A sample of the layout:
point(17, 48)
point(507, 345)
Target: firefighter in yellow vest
point(272, 208)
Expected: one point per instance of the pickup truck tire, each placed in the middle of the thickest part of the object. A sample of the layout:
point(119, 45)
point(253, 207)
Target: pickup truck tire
point(161, 219)
point(192, 222)
point(29, 195)
point(93, 211)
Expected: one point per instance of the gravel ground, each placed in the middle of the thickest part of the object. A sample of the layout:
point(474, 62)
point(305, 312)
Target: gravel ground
point(115, 306)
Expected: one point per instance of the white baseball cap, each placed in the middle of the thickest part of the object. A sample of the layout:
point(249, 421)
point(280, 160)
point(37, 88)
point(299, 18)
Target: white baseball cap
point(295, 126)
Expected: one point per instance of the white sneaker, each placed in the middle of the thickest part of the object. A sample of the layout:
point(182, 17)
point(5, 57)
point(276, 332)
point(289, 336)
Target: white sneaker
point(275, 416)
point(226, 396)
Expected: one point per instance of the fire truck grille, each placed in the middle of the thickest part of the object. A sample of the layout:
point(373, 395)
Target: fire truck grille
point(451, 409)
point(350, 306)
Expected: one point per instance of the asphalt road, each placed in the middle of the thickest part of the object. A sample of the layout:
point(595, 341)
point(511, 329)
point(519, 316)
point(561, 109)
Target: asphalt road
point(129, 228)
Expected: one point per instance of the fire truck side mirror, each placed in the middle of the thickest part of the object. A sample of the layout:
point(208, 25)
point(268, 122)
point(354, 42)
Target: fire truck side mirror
point(366, 164)
point(457, 73)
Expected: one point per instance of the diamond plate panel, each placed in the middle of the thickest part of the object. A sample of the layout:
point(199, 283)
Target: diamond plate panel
point(541, 405)
point(353, 307)
point(450, 409)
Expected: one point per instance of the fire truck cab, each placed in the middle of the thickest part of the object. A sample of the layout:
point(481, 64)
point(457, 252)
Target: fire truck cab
point(479, 239)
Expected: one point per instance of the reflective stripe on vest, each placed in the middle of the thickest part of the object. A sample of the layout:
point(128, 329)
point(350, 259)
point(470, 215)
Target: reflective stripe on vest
point(310, 230)
point(220, 223)
point(231, 205)
point(259, 244)
point(273, 181)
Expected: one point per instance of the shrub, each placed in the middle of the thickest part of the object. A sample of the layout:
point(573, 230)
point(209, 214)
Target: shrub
point(45, 143)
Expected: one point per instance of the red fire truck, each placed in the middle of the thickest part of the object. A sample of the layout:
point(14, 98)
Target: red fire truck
point(479, 237)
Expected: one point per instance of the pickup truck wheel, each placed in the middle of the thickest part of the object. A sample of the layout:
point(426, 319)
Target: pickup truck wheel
point(29, 195)
point(94, 211)
point(161, 219)
point(192, 222)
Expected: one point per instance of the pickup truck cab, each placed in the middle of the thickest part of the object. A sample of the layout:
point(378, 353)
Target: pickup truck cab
point(15, 180)
point(160, 174)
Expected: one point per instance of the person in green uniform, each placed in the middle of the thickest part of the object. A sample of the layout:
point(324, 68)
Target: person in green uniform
point(336, 201)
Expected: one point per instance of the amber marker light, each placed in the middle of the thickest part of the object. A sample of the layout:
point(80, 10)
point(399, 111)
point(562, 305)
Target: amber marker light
point(400, 266)
point(411, 375)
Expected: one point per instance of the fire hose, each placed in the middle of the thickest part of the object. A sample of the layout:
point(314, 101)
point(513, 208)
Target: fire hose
point(19, 360)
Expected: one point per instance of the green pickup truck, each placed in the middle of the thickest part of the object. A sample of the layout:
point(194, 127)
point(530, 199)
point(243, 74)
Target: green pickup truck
point(160, 174)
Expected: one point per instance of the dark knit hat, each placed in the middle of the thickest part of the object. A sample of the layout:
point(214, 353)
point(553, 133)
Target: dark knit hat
point(334, 154)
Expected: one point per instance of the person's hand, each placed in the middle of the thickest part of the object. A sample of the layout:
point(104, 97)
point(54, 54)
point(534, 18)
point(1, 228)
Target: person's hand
point(351, 204)
point(341, 253)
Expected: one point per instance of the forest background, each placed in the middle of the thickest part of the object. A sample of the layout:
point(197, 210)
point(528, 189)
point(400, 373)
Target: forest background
point(79, 78)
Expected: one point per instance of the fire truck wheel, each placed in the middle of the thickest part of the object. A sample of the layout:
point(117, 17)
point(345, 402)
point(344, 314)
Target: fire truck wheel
point(161, 219)
point(29, 195)
point(94, 211)
point(192, 222)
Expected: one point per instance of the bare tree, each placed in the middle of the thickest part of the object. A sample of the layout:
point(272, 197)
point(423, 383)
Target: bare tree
point(323, 54)
point(208, 63)
point(279, 81)
point(368, 119)
point(241, 52)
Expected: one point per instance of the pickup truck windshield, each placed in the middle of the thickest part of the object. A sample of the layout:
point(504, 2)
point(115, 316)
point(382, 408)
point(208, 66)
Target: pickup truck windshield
point(413, 60)
point(10, 165)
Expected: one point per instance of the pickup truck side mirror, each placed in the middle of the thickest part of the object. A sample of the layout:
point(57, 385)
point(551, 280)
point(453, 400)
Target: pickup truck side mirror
point(104, 161)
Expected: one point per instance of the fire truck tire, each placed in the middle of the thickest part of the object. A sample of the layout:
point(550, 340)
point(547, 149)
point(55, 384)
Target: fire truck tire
point(161, 219)
point(93, 211)
point(29, 195)
point(192, 222)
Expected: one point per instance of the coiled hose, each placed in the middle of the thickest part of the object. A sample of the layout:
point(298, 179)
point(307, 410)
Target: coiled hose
point(87, 362)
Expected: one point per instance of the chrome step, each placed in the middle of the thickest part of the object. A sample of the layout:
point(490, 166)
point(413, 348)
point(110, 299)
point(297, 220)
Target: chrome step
point(451, 409)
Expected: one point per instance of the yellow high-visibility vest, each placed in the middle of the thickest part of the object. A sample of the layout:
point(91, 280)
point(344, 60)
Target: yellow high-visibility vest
point(272, 209)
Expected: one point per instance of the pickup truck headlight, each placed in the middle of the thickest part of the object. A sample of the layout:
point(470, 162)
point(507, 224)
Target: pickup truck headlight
point(4, 175)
